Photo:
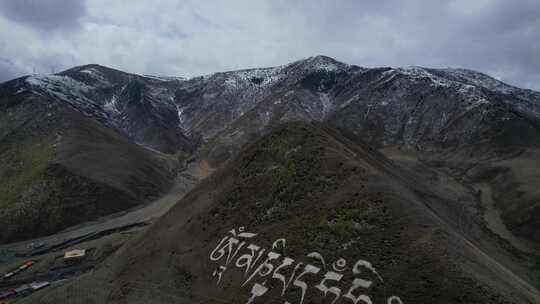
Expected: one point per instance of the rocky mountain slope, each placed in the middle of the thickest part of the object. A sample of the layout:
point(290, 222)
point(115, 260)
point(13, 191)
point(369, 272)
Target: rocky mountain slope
point(60, 168)
point(305, 215)
point(416, 108)
point(139, 107)
point(459, 151)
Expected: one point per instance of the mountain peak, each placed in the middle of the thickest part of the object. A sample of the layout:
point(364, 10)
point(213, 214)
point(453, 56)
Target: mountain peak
point(322, 58)
point(320, 62)
point(90, 66)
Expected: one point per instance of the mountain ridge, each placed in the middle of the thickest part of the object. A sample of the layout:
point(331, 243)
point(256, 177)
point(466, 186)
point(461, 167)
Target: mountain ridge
point(433, 112)
point(465, 73)
point(241, 90)
point(454, 153)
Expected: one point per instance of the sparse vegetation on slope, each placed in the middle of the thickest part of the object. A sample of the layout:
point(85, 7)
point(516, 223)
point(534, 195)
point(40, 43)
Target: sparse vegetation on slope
point(321, 193)
point(24, 168)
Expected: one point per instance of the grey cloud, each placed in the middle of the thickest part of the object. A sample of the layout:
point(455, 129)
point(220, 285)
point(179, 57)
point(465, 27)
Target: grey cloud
point(8, 70)
point(190, 38)
point(44, 15)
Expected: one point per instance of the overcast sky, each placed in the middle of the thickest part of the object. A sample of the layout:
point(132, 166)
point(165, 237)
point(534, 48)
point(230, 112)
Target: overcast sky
point(190, 38)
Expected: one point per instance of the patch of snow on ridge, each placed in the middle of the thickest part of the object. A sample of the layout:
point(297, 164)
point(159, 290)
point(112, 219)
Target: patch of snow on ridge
point(63, 87)
point(92, 72)
point(180, 111)
point(419, 72)
point(326, 104)
point(110, 106)
point(528, 102)
point(203, 77)
point(472, 86)
point(471, 93)
point(261, 78)
point(325, 66)
point(322, 63)
point(231, 82)
point(96, 75)
point(164, 78)
point(480, 79)
point(69, 90)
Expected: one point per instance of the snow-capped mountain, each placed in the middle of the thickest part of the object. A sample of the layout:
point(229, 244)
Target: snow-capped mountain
point(413, 107)
point(141, 107)
point(410, 106)
point(447, 157)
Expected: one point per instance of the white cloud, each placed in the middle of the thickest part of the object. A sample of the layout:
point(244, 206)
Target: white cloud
point(191, 38)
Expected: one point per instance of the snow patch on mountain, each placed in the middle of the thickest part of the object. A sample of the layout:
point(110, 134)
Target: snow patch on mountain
point(164, 78)
point(181, 118)
point(326, 104)
point(209, 104)
point(110, 106)
point(421, 73)
point(63, 87)
point(470, 92)
point(70, 91)
point(96, 75)
point(323, 63)
point(258, 78)
point(480, 80)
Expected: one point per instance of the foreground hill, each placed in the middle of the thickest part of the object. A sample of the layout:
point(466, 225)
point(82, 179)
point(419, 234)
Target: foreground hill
point(305, 215)
point(59, 167)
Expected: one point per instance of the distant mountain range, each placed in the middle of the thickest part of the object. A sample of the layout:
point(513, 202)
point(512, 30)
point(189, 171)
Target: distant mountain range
point(415, 107)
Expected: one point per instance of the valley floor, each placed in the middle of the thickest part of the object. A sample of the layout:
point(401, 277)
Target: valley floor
point(100, 238)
